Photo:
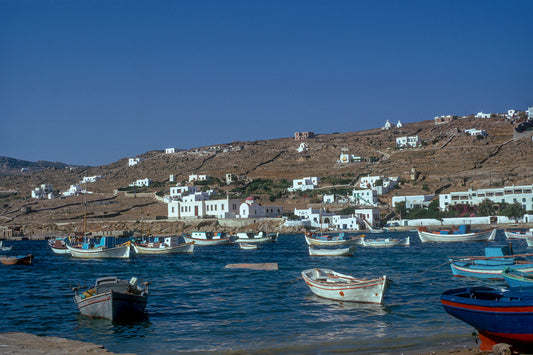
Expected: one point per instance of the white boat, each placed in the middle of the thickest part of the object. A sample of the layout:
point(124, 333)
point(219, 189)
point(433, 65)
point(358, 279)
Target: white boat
point(106, 248)
point(162, 245)
point(260, 237)
point(384, 242)
point(332, 240)
point(208, 238)
point(329, 284)
point(529, 242)
point(348, 251)
point(462, 234)
point(517, 234)
point(4, 248)
point(248, 246)
point(58, 246)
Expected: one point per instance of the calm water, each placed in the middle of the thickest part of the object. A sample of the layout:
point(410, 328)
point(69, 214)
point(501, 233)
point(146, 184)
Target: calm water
point(198, 306)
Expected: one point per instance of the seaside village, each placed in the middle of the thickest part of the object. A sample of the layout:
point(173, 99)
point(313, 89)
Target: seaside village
point(187, 201)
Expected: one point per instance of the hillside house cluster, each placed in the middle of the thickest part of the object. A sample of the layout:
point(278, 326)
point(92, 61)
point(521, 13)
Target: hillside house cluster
point(408, 142)
point(45, 191)
point(90, 179)
point(319, 218)
point(367, 197)
point(196, 177)
point(74, 190)
point(307, 183)
point(381, 184)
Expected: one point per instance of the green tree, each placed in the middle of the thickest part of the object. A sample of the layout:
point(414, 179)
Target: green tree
point(486, 208)
point(513, 210)
point(401, 209)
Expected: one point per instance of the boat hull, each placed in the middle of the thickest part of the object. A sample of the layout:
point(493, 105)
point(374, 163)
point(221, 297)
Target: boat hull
point(495, 314)
point(333, 242)
point(183, 248)
point(113, 306)
point(493, 272)
point(200, 241)
point(121, 252)
point(354, 290)
point(518, 234)
point(517, 278)
point(248, 246)
point(332, 252)
point(426, 237)
point(387, 242)
point(16, 260)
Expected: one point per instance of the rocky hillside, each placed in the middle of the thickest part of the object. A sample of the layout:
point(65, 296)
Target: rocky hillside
point(448, 159)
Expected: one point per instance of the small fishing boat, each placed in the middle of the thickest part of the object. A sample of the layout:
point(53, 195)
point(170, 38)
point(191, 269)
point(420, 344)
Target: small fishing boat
point(260, 237)
point(3, 247)
point(329, 239)
point(113, 299)
point(490, 266)
point(384, 242)
point(329, 284)
point(100, 248)
point(208, 238)
point(58, 246)
point(461, 234)
point(499, 315)
point(517, 278)
point(16, 260)
point(518, 234)
point(248, 246)
point(318, 251)
point(162, 245)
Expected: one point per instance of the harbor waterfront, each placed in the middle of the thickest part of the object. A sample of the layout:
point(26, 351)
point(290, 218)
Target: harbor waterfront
point(197, 305)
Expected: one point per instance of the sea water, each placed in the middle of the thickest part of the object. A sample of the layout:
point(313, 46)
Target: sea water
point(197, 305)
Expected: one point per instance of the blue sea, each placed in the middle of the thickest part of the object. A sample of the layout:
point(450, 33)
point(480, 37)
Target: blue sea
point(196, 305)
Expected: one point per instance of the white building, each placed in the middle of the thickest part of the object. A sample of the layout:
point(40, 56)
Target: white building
point(307, 183)
point(483, 115)
point(170, 150)
point(142, 182)
point(511, 113)
point(133, 161)
point(399, 124)
point(368, 197)
point(43, 191)
point(386, 184)
point(345, 158)
point(404, 142)
point(476, 132)
point(252, 209)
point(509, 194)
point(302, 148)
point(328, 198)
point(387, 125)
point(74, 190)
point(88, 179)
point(227, 208)
point(177, 192)
point(195, 177)
point(413, 201)
point(172, 178)
point(530, 112)
point(320, 219)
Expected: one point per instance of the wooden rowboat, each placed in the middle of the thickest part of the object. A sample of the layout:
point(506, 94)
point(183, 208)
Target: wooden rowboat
point(314, 251)
point(329, 284)
point(16, 260)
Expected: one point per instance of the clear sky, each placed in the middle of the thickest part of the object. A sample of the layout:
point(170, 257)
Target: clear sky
point(89, 82)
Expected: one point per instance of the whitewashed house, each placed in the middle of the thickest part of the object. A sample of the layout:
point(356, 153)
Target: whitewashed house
point(90, 179)
point(134, 161)
point(381, 184)
point(320, 219)
point(405, 142)
point(367, 197)
point(476, 132)
point(177, 192)
point(328, 198)
point(195, 177)
point(170, 150)
point(307, 183)
point(413, 201)
point(482, 115)
point(226, 208)
point(142, 182)
point(345, 158)
point(45, 191)
point(252, 209)
point(74, 190)
point(530, 112)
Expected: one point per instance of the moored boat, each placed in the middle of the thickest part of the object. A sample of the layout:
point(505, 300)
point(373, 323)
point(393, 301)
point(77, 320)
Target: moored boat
point(518, 234)
point(260, 237)
point(490, 266)
point(16, 260)
point(327, 251)
point(162, 245)
point(461, 234)
point(517, 278)
point(58, 246)
point(3, 247)
point(248, 246)
point(384, 242)
point(113, 299)
point(499, 315)
point(100, 248)
point(330, 239)
point(208, 238)
point(329, 284)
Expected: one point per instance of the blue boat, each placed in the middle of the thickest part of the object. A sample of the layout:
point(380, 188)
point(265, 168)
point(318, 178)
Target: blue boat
point(490, 266)
point(499, 315)
point(517, 278)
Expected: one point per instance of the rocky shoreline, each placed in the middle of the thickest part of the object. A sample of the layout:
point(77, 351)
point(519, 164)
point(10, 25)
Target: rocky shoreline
point(24, 343)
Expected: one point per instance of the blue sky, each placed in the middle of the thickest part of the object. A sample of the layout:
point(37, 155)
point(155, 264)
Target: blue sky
point(91, 82)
